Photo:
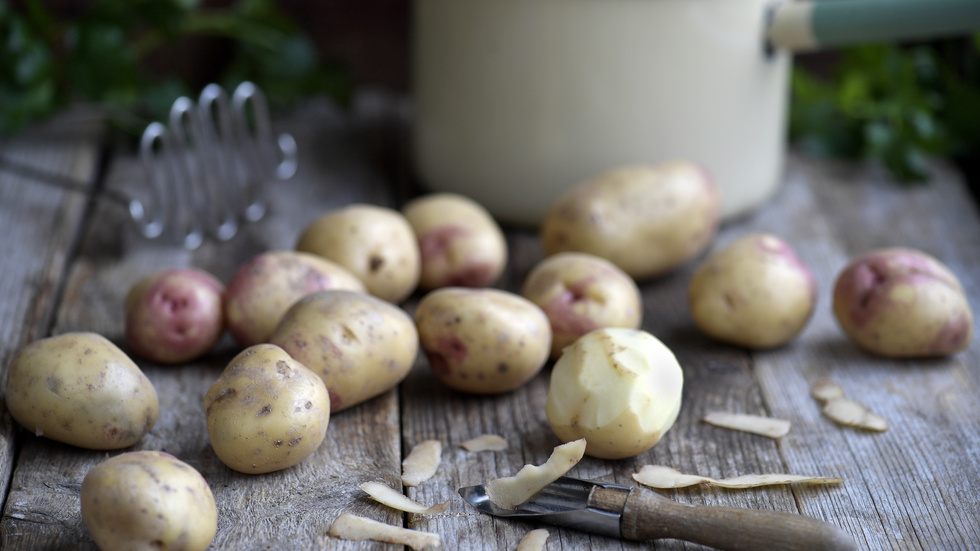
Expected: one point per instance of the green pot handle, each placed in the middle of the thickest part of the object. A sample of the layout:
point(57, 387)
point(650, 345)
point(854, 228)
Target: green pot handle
point(814, 24)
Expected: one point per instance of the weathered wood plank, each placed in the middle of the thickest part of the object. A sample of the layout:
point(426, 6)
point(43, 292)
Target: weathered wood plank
point(38, 223)
point(907, 488)
point(289, 509)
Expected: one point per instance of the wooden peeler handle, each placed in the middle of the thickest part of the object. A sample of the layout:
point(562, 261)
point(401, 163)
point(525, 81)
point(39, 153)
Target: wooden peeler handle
point(648, 515)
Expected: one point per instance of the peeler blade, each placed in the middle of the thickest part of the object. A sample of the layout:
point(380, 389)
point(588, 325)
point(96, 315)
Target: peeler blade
point(564, 503)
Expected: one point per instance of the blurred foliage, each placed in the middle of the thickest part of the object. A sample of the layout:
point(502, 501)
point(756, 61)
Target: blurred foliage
point(897, 104)
point(99, 57)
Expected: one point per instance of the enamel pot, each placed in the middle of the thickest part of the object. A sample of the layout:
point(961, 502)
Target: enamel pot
point(518, 100)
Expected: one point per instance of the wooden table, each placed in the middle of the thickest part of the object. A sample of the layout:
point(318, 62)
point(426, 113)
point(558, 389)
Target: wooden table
point(69, 257)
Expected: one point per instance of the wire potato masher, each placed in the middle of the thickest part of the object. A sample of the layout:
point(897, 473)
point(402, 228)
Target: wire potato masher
point(204, 170)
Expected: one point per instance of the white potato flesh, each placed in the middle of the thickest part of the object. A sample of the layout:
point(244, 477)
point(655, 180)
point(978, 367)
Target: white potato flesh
point(618, 388)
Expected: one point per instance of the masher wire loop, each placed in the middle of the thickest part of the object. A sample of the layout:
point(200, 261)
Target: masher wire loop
point(205, 169)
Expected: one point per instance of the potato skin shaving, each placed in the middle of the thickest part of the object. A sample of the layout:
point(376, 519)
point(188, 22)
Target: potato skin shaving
point(391, 497)
point(664, 478)
point(421, 463)
point(509, 492)
point(533, 540)
point(485, 442)
point(755, 424)
point(352, 527)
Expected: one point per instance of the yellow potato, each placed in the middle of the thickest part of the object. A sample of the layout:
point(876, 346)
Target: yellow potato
point(148, 500)
point(580, 293)
point(618, 388)
point(645, 219)
point(376, 244)
point(361, 346)
point(754, 293)
point(482, 341)
point(262, 289)
point(460, 243)
point(266, 412)
point(80, 389)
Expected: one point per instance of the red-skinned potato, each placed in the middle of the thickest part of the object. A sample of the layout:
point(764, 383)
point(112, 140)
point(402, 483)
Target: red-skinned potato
point(754, 293)
point(580, 293)
point(460, 242)
point(263, 289)
point(175, 316)
point(902, 303)
point(646, 219)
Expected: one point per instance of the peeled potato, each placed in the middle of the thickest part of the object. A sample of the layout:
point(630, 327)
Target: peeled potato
point(618, 388)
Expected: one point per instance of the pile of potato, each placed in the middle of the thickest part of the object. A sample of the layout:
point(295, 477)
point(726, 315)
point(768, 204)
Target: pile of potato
point(322, 330)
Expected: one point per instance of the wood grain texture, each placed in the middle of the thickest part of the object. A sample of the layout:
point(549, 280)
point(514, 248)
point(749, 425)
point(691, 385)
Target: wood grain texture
point(39, 225)
point(912, 487)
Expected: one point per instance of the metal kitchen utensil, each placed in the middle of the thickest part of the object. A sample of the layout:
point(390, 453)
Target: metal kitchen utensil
point(203, 173)
point(641, 514)
point(205, 169)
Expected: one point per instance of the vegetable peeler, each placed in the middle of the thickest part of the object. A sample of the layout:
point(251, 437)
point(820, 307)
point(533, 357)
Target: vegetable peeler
point(640, 514)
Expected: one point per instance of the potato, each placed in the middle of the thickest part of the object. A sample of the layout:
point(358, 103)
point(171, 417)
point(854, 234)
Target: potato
point(618, 388)
point(647, 220)
point(754, 293)
point(262, 289)
point(361, 346)
point(266, 412)
point(482, 341)
point(580, 293)
point(148, 500)
point(376, 244)
point(80, 389)
point(902, 303)
point(174, 316)
point(460, 243)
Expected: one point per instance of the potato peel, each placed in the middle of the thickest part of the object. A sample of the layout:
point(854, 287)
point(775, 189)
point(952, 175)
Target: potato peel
point(846, 411)
point(825, 390)
point(511, 491)
point(755, 424)
point(421, 463)
point(384, 494)
point(533, 540)
point(485, 442)
point(843, 410)
point(352, 527)
point(665, 478)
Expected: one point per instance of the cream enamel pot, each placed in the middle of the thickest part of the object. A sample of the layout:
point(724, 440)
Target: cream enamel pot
point(518, 100)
